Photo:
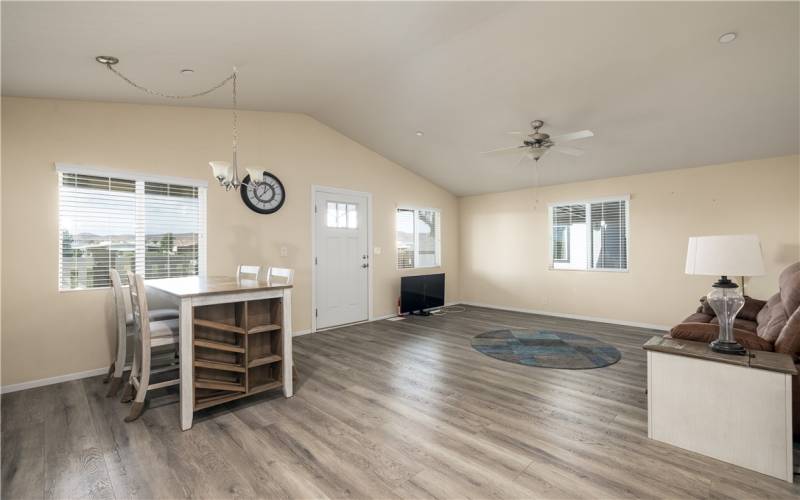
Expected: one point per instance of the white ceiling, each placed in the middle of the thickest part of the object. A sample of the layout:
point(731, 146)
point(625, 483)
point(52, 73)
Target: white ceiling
point(650, 79)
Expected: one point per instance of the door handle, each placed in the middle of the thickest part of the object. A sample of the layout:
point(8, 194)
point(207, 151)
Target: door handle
point(365, 265)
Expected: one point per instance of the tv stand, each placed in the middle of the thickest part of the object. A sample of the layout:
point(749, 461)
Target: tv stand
point(420, 313)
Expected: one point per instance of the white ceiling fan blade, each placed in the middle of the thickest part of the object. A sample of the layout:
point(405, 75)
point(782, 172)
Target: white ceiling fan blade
point(502, 150)
point(574, 136)
point(568, 150)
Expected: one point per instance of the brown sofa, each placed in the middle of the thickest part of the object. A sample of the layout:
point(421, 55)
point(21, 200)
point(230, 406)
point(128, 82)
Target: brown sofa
point(773, 325)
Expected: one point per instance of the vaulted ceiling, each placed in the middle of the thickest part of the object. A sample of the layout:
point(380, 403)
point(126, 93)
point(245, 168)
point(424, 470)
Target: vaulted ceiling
point(650, 79)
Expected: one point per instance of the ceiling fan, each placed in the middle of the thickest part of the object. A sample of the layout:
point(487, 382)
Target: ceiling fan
point(538, 143)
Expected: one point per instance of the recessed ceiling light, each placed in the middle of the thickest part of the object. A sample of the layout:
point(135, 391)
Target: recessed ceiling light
point(187, 71)
point(727, 37)
point(419, 133)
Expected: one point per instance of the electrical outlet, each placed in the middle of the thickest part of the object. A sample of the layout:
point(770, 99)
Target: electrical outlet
point(377, 250)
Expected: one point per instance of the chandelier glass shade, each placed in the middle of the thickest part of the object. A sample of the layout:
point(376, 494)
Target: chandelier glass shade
point(226, 172)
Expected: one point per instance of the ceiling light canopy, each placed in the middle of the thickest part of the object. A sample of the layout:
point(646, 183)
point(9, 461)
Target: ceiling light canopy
point(419, 133)
point(106, 60)
point(727, 37)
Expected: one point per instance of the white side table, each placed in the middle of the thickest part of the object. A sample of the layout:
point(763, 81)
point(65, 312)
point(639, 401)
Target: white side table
point(737, 409)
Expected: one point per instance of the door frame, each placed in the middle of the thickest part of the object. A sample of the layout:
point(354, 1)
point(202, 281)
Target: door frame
point(370, 250)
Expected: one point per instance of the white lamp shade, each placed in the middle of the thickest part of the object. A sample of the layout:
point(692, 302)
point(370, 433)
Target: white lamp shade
point(725, 255)
point(256, 173)
point(221, 169)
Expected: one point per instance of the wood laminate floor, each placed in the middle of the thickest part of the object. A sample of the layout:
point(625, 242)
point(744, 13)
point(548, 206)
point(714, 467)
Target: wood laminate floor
point(384, 410)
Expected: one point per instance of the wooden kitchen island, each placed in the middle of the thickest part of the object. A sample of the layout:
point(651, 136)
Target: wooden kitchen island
point(235, 338)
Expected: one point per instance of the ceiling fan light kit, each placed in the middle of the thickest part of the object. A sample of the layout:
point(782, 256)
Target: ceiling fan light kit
point(538, 143)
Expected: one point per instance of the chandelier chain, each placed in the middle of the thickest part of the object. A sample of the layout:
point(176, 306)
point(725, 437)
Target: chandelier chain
point(234, 181)
point(111, 68)
point(235, 114)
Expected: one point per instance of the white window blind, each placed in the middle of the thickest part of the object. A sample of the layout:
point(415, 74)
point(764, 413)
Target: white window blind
point(152, 228)
point(418, 238)
point(590, 235)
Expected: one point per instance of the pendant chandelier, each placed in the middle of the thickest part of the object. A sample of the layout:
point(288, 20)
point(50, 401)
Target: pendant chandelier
point(226, 173)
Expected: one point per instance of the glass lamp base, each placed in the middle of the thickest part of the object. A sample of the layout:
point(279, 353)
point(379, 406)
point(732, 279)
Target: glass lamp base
point(726, 300)
point(728, 347)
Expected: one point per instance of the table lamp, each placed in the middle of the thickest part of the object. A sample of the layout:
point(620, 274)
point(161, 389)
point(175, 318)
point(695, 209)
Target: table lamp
point(723, 256)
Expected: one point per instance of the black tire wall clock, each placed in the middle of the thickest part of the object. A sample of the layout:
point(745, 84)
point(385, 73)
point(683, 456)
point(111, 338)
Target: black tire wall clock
point(265, 197)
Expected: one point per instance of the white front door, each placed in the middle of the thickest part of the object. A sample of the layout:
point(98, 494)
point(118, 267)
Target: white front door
point(341, 258)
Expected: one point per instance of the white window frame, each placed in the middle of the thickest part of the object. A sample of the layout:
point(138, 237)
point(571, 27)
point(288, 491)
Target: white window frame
point(140, 178)
point(439, 255)
point(588, 203)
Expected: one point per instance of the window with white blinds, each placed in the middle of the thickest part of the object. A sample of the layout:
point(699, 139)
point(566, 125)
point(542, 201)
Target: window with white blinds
point(590, 235)
point(108, 221)
point(418, 238)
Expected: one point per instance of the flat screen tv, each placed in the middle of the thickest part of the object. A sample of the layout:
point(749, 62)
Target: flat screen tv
point(418, 294)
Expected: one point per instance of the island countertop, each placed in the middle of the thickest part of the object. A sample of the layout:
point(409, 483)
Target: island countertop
point(191, 286)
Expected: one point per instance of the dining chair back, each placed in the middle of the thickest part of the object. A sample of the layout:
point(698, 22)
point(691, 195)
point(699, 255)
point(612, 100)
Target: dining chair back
point(148, 334)
point(245, 272)
point(123, 330)
point(283, 276)
point(125, 327)
point(280, 275)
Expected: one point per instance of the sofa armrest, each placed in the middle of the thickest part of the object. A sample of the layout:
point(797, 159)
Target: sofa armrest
point(706, 332)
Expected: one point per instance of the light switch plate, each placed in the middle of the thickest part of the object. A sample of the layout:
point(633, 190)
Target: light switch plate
point(284, 252)
point(377, 250)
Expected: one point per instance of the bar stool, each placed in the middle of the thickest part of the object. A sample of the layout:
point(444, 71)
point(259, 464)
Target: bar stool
point(125, 330)
point(245, 272)
point(280, 275)
point(149, 335)
point(283, 276)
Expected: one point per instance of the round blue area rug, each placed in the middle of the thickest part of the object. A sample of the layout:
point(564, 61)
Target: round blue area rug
point(546, 349)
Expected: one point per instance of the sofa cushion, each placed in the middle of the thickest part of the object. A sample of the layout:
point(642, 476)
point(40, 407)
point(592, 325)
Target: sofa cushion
point(741, 324)
point(772, 320)
point(788, 318)
point(790, 290)
point(705, 308)
point(788, 342)
point(765, 313)
point(749, 310)
point(698, 317)
point(707, 332)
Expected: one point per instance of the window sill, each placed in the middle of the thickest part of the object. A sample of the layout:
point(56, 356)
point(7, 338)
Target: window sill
point(73, 290)
point(417, 268)
point(551, 268)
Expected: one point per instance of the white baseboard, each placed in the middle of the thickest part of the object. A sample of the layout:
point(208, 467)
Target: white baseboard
point(570, 316)
point(379, 318)
point(52, 380)
point(100, 371)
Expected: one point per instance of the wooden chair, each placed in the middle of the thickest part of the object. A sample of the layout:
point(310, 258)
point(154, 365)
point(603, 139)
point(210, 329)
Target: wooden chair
point(125, 330)
point(281, 275)
point(149, 335)
point(244, 272)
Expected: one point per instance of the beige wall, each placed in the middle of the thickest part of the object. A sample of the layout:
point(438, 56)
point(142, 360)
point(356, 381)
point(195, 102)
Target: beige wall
point(505, 237)
point(47, 333)
point(495, 246)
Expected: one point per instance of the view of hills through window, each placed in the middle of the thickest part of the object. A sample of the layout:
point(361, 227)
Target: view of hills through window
point(146, 227)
